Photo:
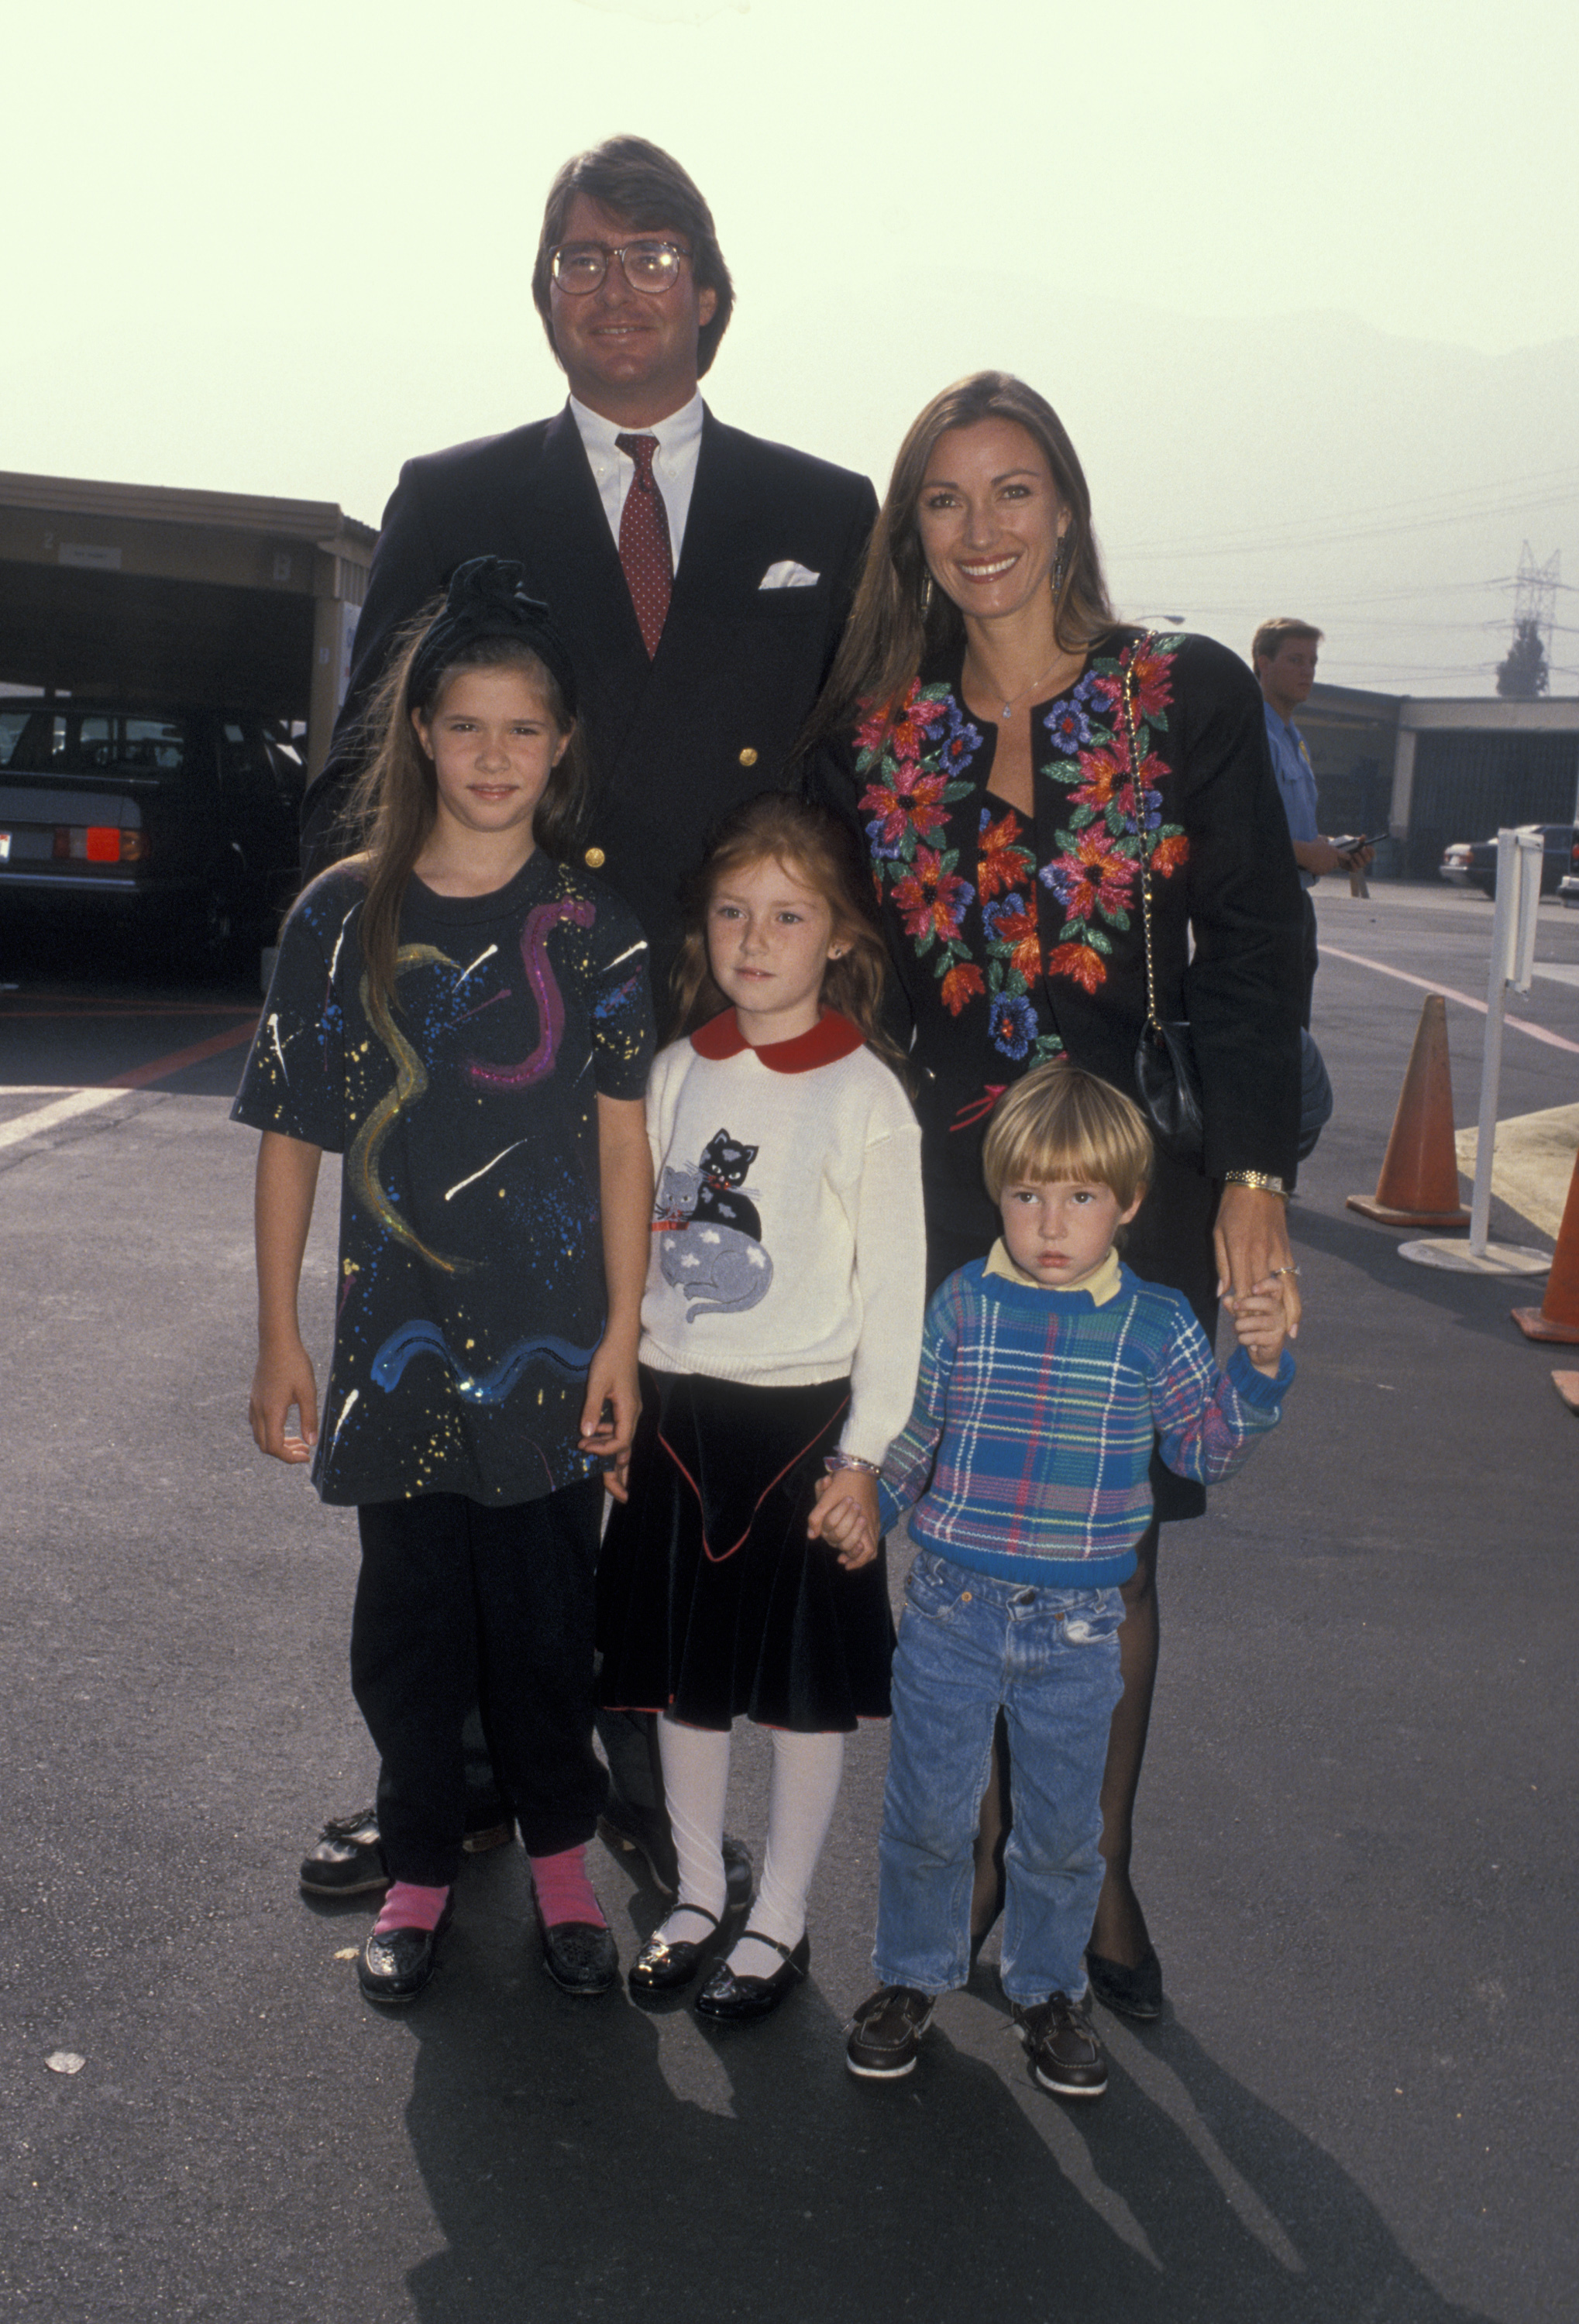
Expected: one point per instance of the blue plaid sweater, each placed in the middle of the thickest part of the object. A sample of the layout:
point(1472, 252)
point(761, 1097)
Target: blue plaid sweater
point(1027, 1450)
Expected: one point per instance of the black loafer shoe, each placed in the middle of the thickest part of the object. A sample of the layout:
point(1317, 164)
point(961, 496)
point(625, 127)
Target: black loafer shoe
point(348, 1860)
point(734, 2000)
point(738, 1873)
point(664, 1965)
point(579, 1955)
point(393, 1968)
point(1128, 1992)
point(886, 2035)
point(1065, 2056)
point(626, 1830)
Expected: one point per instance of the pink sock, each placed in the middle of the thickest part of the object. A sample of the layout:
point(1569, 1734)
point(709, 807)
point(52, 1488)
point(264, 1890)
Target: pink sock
point(407, 1907)
point(563, 1890)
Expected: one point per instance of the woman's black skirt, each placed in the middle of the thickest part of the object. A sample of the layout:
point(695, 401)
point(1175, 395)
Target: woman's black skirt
point(711, 1602)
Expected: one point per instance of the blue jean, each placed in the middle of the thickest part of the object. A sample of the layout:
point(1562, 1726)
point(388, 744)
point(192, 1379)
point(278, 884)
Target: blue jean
point(970, 1646)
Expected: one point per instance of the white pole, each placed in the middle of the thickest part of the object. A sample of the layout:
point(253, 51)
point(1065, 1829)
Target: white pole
point(1504, 922)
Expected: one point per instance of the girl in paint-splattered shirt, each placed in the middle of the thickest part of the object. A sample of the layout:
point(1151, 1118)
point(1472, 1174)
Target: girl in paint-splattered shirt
point(465, 1019)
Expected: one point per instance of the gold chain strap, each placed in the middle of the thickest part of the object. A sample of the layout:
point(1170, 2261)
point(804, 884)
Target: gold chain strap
point(1151, 1016)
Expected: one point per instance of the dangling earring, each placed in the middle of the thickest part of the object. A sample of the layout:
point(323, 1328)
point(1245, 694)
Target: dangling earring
point(927, 599)
point(1060, 562)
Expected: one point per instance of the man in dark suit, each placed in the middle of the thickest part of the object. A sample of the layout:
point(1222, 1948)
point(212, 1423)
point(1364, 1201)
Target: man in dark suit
point(701, 577)
point(764, 543)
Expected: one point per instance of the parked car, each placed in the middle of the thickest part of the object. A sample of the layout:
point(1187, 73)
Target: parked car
point(183, 820)
point(1568, 892)
point(1473, 864)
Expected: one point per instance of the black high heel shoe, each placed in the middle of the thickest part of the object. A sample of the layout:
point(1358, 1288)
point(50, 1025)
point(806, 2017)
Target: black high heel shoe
point(735, 2000)
point(666, 1964)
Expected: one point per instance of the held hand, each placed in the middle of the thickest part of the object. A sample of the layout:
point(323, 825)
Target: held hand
point(283, 1378)
point(1254, 1254)
point(847, 1515)
point(1261, 1326)
point(609, 1416)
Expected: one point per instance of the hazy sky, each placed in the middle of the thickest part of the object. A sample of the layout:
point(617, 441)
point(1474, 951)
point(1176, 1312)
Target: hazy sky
point(1304, 282)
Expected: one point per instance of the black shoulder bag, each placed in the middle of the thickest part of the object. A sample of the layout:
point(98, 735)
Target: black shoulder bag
point(1167, 1075)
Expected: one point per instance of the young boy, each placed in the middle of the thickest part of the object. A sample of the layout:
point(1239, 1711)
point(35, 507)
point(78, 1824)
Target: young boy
point(1046, 1369)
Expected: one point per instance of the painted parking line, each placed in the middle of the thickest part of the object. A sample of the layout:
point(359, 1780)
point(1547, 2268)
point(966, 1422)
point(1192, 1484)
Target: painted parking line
point(47, 1117)
point(142, 1076)
point(1464, 1000)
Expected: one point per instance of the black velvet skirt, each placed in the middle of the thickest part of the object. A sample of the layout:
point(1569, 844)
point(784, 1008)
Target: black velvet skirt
point(711, 1602)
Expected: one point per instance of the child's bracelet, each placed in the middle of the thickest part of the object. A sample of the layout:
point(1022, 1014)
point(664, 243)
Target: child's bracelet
point(833, 1461)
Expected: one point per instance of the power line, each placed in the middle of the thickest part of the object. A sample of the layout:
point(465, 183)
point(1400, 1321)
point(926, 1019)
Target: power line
point(1475, 502)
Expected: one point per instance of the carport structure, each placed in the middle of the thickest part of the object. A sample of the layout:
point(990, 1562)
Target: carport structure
point(141, 594)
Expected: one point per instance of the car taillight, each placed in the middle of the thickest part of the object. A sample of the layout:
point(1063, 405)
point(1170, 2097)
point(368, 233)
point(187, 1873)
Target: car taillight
point(98, 842)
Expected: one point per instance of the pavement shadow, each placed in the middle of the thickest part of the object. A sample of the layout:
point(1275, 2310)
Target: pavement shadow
point(581, 2165)
point(1476, 1303)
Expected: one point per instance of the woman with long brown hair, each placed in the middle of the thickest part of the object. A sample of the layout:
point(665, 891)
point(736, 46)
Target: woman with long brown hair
point(1036, 782)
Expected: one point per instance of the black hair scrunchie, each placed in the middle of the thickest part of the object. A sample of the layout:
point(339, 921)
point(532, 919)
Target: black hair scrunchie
point(488, 597)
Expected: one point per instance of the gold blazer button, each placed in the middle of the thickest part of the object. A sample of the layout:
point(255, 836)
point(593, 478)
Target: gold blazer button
point(593, 859)
point(748, 756)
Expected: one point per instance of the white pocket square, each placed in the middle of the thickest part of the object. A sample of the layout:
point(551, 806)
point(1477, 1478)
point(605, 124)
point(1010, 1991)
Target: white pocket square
point(788, 575)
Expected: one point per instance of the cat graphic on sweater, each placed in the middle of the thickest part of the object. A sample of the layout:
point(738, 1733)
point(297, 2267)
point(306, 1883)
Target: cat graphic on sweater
point(710, 1246)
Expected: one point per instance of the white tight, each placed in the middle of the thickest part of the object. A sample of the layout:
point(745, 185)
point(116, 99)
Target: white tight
point(807, 1773)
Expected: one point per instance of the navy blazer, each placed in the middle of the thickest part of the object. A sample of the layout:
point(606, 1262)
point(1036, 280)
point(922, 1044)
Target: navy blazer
point(715, 715)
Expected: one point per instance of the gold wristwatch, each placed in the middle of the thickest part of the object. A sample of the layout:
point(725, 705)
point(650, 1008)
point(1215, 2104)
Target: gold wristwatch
point(1262, 1180)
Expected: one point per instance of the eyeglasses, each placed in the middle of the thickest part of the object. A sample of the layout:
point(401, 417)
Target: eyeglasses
point(579, 267)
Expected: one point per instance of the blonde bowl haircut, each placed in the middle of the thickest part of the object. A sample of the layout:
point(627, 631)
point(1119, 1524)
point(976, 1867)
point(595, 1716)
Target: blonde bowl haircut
point(1058, 1123)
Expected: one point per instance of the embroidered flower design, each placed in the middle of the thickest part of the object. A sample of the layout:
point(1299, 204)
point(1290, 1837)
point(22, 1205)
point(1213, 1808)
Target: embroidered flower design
point(1079, 961)
point(1069, 724)
point(1001, 863)
point(1114, 817)
point(914, 769)
point(932, 897)
point(962, 985)
point(911, 804)
point(1011, 930)
point(1014, 1024)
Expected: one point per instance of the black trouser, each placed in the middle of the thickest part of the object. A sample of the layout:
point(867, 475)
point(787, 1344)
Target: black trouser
point(1309, 958)
point(455, 1603)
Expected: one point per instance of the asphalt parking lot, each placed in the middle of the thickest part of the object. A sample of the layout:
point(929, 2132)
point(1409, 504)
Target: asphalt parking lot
point(1354, 1848)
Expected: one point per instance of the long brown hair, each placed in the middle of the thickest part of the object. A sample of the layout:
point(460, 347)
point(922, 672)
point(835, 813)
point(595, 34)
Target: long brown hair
point(897, 621)
point(394, 801)
point(815, 845)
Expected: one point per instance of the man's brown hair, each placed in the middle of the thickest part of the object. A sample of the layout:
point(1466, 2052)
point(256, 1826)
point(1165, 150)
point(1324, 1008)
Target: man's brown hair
point(1270, 639)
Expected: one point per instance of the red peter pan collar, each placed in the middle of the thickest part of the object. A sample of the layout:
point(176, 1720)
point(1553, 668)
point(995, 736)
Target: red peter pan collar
point(831, 1038)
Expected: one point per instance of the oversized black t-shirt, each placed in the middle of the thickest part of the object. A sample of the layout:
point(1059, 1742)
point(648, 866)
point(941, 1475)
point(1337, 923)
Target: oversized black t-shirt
point(470, 1295)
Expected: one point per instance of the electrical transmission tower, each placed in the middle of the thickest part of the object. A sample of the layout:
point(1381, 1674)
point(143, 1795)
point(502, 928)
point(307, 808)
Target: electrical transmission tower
point(1526, 671)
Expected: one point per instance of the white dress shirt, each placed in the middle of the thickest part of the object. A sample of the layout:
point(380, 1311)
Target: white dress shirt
point(674, 464)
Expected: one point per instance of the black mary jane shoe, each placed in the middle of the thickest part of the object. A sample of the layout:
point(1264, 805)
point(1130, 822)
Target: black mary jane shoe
point(579, 1955)
point(393, 1966)
point(1128, 1992)
point(664, 1964)
point(731, 2000)
point(346, 1860)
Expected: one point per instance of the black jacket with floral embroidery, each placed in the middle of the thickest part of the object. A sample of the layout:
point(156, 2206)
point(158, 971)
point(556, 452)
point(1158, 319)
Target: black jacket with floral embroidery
point(1014, 942)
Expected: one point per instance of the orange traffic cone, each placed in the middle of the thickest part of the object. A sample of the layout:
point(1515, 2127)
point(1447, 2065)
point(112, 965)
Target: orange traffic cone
point(1558, 1317)
point(1418, 1185)
point(1567, 1387)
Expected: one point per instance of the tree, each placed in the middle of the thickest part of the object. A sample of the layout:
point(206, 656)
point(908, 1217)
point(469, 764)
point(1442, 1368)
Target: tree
point(1523, 675)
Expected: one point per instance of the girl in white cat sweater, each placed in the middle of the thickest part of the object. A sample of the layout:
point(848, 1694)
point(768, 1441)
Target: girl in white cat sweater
point(781, 1335)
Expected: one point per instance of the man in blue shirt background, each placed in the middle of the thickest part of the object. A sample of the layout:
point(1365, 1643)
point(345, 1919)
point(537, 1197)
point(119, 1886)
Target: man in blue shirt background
point(1284, 655)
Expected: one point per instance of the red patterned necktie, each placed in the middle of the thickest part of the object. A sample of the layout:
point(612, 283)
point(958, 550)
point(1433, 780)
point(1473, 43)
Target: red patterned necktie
point(644, 542)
